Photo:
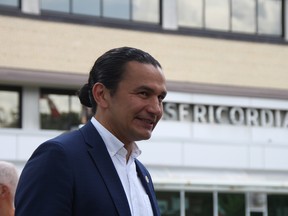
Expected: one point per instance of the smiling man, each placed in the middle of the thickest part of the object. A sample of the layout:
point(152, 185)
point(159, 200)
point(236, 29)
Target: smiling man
point(94, 170)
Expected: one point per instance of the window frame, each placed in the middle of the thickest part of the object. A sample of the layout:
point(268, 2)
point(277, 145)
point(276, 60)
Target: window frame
point(18, 90)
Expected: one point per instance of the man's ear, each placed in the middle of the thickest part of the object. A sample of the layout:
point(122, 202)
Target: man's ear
point(100, 94)
point(4, 191)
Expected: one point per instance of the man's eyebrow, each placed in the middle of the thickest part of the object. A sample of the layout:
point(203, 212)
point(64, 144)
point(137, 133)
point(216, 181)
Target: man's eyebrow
point(144, 88)
point(150, 90)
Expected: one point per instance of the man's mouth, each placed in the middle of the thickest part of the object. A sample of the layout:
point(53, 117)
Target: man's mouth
point(148, 121)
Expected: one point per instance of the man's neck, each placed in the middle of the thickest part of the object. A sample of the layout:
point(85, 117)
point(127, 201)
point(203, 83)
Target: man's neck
point(6, 211)
point(6, 208)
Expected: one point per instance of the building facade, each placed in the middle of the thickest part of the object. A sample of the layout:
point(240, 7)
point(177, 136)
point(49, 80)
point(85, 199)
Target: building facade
point(221, 148)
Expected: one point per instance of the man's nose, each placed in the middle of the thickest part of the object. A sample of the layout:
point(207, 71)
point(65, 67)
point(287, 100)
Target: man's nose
point(155, 107)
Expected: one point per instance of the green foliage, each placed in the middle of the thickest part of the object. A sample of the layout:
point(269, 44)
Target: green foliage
point(231, 204)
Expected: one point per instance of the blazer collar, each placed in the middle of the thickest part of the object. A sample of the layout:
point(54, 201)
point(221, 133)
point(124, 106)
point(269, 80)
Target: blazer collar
point(102, 160)
point(148, 185)
point(99, 153)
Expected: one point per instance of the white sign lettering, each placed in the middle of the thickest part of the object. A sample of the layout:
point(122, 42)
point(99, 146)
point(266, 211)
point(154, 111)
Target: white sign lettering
point(225, 115)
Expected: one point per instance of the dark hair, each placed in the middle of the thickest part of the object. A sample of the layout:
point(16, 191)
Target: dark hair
point(109, 68)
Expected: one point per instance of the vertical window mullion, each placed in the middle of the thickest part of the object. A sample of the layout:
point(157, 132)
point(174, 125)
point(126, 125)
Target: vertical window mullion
point(215, 203)
point(230, 17)
point(70, 6)
point(204, 14)
point(130, 10)
point(256, 17)
point(182, 203)
point(283, 20)
point(101, 8)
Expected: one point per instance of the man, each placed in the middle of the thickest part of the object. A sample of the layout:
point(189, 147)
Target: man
point(8, 182)
point(94, 170)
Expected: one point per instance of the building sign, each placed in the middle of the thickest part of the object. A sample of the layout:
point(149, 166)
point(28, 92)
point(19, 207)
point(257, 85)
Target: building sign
point(232, 115)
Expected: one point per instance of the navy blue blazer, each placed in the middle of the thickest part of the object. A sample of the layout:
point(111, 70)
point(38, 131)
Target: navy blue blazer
point(73, 174)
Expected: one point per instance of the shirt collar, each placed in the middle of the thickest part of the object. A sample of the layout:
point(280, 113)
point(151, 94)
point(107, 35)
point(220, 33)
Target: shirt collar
point(113, 144)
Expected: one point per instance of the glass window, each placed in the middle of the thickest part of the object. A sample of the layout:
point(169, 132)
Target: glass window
point(56, 5)
point(256, 213)
point(10, 107)
point(190, 13)
point(231, 204)
point(61, 110)
point(244, 16)
point(86, 7)
point(146, 10)
point(277, 205)
point(169, 203)
point(269, 17)
point(119, 9)
point(10, 3)
point(217, 14)
point(199, 204)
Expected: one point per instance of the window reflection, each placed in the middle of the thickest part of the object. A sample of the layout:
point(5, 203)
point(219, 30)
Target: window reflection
point(61, 110)
point(199, 204)
point(56, 5)
point(119, 9)
point(269, 17)
point(277, 205)
point(145, 10)
point(217, 14)
point(190, 13)
point(86, 7)
point(169, 203)
point(231, 204)
point(9, 108)
point(243, 16)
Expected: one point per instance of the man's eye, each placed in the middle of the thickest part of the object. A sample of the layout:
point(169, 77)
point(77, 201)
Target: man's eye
point(161, 98)
point(145, 94)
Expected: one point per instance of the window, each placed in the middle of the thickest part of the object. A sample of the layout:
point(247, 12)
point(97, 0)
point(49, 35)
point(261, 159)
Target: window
point(86, 7)
point(199, 204)
point(56, 5)
point(10, 107)
point(256, 213)
point(269, 17)
point(61, 110)
point(116, 9)
point(278, 205)
point(217, 14)
point(190, 13)
point(136, 10)
point(169, 203)
point(259, 17)
point(146, 11)
point(243, 16)
point(231, 204)
point(13, 3)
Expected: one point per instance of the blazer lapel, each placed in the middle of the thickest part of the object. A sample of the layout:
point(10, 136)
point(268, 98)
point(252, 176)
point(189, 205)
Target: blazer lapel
point(105, 166)
point(148, 185)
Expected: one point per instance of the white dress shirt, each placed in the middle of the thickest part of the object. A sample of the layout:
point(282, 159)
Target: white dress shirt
point(137, 197)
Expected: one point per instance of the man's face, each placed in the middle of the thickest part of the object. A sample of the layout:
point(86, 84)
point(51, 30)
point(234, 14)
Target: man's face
point(136, 107)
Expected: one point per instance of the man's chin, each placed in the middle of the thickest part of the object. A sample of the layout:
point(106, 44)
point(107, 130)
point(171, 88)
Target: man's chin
point(145, 136)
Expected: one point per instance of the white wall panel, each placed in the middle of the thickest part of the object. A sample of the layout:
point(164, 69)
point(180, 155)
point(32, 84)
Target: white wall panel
point(271, 136)
point(215, 156)
point(167, 130)
point(8, 147)
point(161, 153)
point(27, 145)
point(222, 133)
point(276, 158)
point(256, 157)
